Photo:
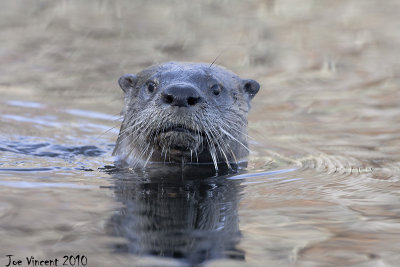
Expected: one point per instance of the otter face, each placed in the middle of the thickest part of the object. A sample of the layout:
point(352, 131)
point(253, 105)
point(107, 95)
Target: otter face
point(184, 113)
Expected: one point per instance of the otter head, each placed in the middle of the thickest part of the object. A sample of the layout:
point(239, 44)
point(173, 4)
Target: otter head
point(184, 113)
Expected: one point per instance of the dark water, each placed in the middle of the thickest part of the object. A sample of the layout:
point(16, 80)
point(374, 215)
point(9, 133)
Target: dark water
point(322, 184)
point(193, 220)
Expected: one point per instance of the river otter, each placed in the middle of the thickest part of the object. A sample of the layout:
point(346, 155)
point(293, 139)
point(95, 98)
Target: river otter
point(187, 113)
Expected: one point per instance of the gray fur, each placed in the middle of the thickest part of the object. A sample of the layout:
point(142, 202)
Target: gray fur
point(212, 131)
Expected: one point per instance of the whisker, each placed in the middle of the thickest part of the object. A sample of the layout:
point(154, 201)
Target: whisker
point(100, 135)
point(217, 139)
point(228, 134)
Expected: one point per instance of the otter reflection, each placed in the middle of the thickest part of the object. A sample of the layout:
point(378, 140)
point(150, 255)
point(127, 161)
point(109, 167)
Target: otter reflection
point(171, 216)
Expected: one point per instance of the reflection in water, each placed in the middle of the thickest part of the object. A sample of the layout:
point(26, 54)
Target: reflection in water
point(193, 220)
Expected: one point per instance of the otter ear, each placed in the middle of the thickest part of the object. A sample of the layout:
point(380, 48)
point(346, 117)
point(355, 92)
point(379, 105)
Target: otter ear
point(250, 87)
point(127, 81)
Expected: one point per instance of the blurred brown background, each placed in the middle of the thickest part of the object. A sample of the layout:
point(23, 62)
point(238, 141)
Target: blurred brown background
point(85, 46)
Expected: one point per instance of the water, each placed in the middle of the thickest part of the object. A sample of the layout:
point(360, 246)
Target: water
point(322, 185)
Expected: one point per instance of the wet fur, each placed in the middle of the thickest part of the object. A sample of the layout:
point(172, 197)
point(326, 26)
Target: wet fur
point(216, 128)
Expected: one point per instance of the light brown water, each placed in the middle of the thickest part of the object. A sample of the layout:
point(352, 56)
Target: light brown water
point(322, 186)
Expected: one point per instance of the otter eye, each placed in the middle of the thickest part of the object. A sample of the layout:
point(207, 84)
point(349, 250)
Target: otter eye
point(216, 89)
point(151, 87)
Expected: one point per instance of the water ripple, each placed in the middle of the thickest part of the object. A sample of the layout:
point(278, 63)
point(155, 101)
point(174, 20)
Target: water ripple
point(25, 104)
point(23, 184)
point(258, 174)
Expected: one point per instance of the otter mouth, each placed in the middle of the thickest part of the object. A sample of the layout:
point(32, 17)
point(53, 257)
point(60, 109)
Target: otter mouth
point(180, 128)
point(180, 138)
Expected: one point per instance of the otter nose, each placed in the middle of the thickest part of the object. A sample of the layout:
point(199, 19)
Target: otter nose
point(181, 95)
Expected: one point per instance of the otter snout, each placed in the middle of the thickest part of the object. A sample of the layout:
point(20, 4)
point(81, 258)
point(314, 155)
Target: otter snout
point(181, 95)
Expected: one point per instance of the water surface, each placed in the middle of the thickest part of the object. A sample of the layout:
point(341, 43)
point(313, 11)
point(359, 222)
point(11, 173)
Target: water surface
point(322, 184)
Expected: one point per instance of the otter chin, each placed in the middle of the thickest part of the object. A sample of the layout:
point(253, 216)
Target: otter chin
point(184, 113)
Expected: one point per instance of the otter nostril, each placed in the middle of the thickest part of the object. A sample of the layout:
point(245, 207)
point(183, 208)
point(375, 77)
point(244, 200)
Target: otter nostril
point(168, 99)
point(193, 100)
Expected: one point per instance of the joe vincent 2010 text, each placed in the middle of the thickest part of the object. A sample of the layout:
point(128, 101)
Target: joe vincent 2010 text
point(70, 260)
